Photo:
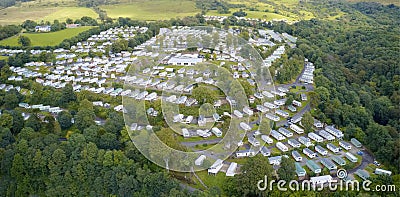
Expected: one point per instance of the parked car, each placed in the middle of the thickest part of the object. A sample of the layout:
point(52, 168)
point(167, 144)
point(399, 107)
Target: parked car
point(376, 163)
point(360, 153)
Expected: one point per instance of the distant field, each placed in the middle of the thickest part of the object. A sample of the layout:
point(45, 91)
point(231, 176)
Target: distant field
point(45, 39)
point(16, 15)
point(152, 10)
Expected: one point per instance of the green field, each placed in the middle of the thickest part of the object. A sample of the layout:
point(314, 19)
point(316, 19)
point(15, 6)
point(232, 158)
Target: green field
point(17, 15)
point(45, 39)
point(152, 10)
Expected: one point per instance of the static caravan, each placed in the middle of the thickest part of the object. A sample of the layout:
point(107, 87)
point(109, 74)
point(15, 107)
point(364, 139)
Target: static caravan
point(275, 160)
point(185, 132)
point(248, 111)
point(189, 119)
point(326, 135)
point(309, 153)
point(337, 133)
point(340, 161)
point(282, 146)
point(253, 141)
point(315, 137)
point(345, 145)
point(267, 139)
point(216, 132)
point(245, 126)
point(294, 143)
point(379, 171)
point(296, 103)
point(245, 153)
point(305, 140)
point(277, 135)
point(231, 169)
point(272, 117)
point(351, 157)
point(356, 143)
point(333, 148)
point(203, 133)
point(314, 167)
point(202, 120)
point(215, 167)
point(265, 151)
point(238, 114)
point(285, 132)
point(296, 129)
point(362, 174)
point(262, 108)
point(321, 150)
point(299, 170)
point(328, 164)
point(296, 155)
point(151, 96)
point(282, 113)
point(199, 161)
point(270, 105)
point(321, 180)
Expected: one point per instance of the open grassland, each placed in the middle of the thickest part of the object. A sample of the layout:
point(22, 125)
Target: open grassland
point(269, 10)
point(152, 10)
point(45, 39)
point(17, 15)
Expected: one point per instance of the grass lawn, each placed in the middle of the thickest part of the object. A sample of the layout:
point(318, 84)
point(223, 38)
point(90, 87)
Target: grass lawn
point(152, 10)
point(16, 15)
point(210, 180)
point(3, 57)
point(70, 12)
point(45, 39)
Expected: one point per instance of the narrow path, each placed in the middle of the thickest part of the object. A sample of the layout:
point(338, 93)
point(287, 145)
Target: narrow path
point(198, 178)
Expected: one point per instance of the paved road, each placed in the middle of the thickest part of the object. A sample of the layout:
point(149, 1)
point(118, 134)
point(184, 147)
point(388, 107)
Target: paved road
point(367, 158)
point(297, 115)
point(201, 142)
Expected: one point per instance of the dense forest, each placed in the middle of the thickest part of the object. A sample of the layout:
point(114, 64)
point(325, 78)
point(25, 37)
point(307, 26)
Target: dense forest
point(358, 74)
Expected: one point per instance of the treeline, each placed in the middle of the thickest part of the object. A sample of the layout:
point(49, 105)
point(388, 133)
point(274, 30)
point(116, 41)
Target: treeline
point(358, 76)
point(9, 3)
point(9, 30)
point(221, 6)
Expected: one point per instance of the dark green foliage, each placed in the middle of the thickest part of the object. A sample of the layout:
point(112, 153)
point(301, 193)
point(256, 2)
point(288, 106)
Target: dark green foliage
point(8, 31)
